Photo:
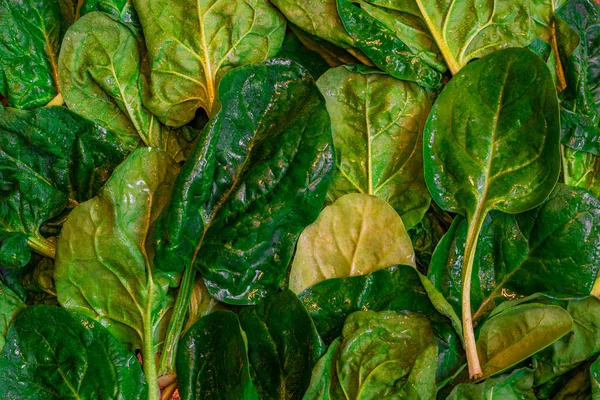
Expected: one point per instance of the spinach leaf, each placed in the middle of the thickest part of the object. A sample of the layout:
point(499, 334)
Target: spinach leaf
point(383, 46)
point(377, 124)
point(10, 305)
point(356, 235)
point(515, 386)
point(552, 249)
point(186, 64)
point(50, 159)
point(30, 37)
point(258, 175)
point(492, 143)
point(120, 10)
point(293, 49)
point(381, 354)
point(333, 55)
point(323, 384)
point(581, 169)
point(212, 362)
point(100, 73)
point(110, 238)
point(398, 288)
point(283, 346)
point(51, 353)
point(467, 29)
point(595, 378)
point(518, 333)
point(427, 234)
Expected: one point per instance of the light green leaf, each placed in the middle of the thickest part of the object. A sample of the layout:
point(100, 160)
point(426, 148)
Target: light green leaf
point(356, 235)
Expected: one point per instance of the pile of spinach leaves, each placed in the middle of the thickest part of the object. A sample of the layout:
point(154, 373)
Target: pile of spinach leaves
point(299, 199)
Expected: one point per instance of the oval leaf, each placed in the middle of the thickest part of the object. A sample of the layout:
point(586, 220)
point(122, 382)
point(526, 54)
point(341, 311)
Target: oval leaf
point(377, 124)
point(356, 235)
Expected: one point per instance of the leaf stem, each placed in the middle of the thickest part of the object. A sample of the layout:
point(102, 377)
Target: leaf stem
point(467, 271)
point(175, 327)
point(148, 361)
point(43, 246)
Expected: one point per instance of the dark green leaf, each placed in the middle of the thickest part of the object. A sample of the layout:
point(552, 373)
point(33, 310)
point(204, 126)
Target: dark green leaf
point(518, 333)
point(100, 76)
point(30, 37)
point(356, 235)
point(552, 248)
point(465, 30)
point(120, 10)
point(333, 55)
point(50, 158)
point(377, 124)
point(293, 49)
point(51, 353)
point(258, 176)
point(516, 386)
point(383, 47)
point(10, 305)
point(595, 379)
point(427, 234)
point(212, 361)
point(323, 384)
point(396, 288)
point(192, 44)
point(283, 346)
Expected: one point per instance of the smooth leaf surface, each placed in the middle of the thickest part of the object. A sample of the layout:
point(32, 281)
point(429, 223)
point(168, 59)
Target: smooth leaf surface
point(110, 238)
point(258, 176)
point(377, 124)
point(515, 386)
point(356, 235)
point(51, 353)
point(465, 30)
point(30, 36)
point(323, 383)
point(398, 288)
point(519, 332)
point(10, 305)
point(283, 346)
point(120, 10)
point(50, 159)
point(552, 249)
point(212, 362)
point(100, 75)
point(192, 44)
point(383, 46)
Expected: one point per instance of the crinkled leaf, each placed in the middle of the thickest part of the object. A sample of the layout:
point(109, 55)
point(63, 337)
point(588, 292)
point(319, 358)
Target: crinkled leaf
point(51, 353)
point(515, 386)
point(356, 235)
point(30, 36)
point(49, 159)
point(100, 75)
point(120, 10)
point(212, 360)
point(383, 46)
point(518, 333)
point(552, 248)
point(582, 169)
point(427, 234)
point(192, 44)
point(110, 238)
point(465, 30)
point(398, 288)
point(258, 176)
point(377, 124)
point(283, 346)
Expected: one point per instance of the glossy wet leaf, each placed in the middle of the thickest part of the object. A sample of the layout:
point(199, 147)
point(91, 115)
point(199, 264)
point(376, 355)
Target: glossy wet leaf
point(51, 353)
point(283, 346)
point(186, 64)
point(50, 159)
point(120, 10)
point(356, 235)
point(381, 354)
point(398, 288)
point(518, 333)
point(30, 36)
point(212, 360)
point(110, 239)
point(323, 383)
point(504, 104)
point(595, 378)
point(260, 171)
point(427, 234)
point(332, 54)
point(293, 49)
point(515, 386)
point(377, 124)
point(10, 305)
point(466, 30)
point(100, 75)
point(552, 249)
point(383, 46)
